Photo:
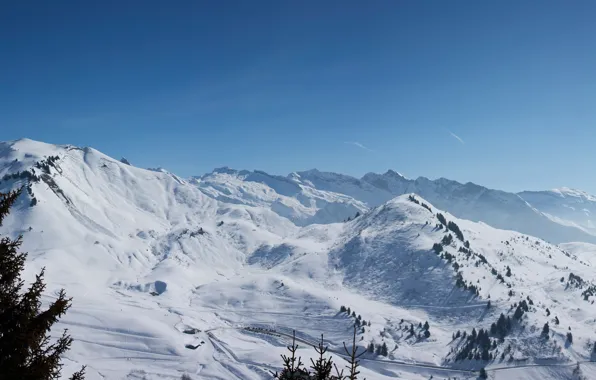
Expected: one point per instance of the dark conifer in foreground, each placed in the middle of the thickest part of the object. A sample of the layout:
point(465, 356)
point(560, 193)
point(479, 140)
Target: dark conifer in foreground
point(26, 350)
point(321, 369)
point(293, 368)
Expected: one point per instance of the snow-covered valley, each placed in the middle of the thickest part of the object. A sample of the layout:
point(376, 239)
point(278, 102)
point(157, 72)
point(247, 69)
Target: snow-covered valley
point(209, 276)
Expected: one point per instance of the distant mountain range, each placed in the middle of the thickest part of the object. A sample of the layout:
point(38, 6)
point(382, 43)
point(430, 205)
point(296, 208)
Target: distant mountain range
point(561, 215)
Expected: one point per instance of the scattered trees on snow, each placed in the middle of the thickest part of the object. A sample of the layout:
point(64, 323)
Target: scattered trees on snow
point(455, 229)
point(323, 368)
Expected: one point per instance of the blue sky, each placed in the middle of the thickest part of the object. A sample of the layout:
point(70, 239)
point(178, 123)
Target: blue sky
point(501, 93)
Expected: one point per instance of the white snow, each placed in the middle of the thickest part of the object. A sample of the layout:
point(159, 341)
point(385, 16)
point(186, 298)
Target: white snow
point(313, 196)
point(147, 255)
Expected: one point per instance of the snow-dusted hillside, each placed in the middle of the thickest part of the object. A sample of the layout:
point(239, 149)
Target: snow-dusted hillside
point(168, 274)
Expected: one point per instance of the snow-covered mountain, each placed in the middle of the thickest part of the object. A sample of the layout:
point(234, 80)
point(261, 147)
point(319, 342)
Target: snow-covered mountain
point(167, 274)
point(320, 197)
point(565, 206)
point(289, 197)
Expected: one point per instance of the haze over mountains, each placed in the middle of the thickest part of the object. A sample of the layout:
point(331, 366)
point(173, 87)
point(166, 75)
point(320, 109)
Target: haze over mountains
point(168, 274)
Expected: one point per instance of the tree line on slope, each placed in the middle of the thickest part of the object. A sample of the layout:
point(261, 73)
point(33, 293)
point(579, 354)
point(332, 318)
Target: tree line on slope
point(29, 175)
point(413, 199)
point(26, 350)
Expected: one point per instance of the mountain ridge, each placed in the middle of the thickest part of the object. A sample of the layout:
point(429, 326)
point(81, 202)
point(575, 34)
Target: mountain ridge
point(501, 209)
point(313, 196)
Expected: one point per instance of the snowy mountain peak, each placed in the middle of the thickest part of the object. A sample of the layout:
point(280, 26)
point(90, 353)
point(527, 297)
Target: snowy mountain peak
point(393, 173)
point(566, 191)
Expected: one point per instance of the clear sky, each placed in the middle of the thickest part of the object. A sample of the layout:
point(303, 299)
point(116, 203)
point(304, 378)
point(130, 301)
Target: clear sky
point(501, 93)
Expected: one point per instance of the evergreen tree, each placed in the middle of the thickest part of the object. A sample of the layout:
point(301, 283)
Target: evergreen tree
point(321, 369)
point(353, 362)
point(556, 320)
point(342, 309)
point(426, 325)
point(483, 374)
point(545, 330)
point(26, 351)
point(371, 348)
point(493, 328)
point(384, 350)
point(455, 228)
point(293, 368)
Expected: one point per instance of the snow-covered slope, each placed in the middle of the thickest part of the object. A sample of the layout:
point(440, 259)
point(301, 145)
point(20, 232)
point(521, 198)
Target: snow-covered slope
point(468, 201)
point(321, 197)
point(288, 197)
point(167, 274)
point(565, 206)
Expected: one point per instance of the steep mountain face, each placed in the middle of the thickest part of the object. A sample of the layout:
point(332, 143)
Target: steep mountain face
point(166, 273)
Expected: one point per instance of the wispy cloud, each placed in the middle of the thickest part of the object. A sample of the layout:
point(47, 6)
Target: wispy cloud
point(359, 145)
point(456, 137)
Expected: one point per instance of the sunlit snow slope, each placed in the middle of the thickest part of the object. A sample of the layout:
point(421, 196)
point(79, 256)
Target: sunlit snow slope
point(168, 274)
